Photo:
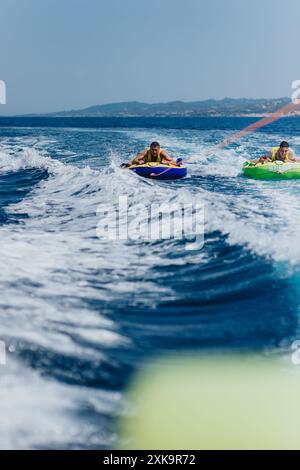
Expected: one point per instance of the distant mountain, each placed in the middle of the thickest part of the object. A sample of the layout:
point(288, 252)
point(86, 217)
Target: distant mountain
point(225, 107)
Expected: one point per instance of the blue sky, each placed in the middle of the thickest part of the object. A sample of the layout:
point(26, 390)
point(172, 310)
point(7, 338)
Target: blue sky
point(67, 54)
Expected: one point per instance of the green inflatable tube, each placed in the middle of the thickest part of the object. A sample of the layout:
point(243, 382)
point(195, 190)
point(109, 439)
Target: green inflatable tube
point(277, 170)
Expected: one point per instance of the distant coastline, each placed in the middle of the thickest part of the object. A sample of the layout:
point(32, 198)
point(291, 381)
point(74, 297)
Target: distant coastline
point(227, 107)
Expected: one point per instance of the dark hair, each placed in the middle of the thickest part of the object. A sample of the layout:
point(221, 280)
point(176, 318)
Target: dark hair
point(155, 144)
point(284, 144)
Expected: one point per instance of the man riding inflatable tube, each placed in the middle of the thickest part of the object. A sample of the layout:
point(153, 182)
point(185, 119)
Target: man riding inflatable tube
point(282, 153)
point(153, 154)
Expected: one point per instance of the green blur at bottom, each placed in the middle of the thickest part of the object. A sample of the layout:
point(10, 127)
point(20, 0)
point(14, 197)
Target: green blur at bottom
point(214, 403)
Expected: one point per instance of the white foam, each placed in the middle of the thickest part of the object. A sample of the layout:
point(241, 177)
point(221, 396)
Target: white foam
point(40, 413)
point(52, 264)
point(264, 217)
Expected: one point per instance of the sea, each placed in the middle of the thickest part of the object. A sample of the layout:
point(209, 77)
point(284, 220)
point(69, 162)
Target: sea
point(82, 312)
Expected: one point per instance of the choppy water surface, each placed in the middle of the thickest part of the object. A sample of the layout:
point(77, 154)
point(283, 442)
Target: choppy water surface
point(81, 314)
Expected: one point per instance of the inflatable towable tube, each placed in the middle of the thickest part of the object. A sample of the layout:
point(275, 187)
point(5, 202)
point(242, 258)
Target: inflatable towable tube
point(272, 170)
point(159, 171)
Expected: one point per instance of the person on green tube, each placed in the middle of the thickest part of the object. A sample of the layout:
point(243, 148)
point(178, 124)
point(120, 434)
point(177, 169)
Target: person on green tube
point(282, 153)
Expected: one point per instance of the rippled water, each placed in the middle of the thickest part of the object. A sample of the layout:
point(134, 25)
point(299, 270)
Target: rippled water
point(79, 314)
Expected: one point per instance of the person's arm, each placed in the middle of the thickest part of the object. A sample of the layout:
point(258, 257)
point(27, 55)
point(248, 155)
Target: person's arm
point(167, 159)
point(139, 159)
point(267, 157)
point(262, 159)
point(292, 157)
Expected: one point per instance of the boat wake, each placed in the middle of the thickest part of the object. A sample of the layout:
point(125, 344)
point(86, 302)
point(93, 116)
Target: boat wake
point(80, 313)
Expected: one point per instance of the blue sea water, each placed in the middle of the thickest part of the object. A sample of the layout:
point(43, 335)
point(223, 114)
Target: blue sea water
point(80, 315)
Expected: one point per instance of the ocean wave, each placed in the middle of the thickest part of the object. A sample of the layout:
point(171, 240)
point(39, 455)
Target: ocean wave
point(83, 312)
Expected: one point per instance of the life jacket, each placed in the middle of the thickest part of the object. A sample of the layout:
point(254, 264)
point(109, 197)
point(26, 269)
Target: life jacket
point(276, 156)
point(149, 157)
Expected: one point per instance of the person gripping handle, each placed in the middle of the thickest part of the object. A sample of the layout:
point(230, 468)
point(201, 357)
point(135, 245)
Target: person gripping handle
point(153, 154)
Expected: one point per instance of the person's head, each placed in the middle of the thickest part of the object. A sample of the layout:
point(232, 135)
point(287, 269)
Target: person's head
point(155, 148)
point(284, 147)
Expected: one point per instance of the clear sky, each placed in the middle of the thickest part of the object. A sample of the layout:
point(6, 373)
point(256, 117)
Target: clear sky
point(69, 54)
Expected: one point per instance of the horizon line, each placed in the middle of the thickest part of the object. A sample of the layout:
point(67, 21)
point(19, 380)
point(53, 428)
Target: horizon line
point(47, 113)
